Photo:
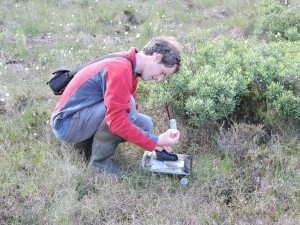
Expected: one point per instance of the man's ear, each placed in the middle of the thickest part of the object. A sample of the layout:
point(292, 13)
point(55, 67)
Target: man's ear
point(158, 57)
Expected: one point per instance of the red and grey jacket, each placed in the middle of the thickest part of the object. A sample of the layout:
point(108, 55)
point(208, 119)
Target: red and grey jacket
point(109, 80)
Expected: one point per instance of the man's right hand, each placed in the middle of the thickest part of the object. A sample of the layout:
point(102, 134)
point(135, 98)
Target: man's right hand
point(169, 138)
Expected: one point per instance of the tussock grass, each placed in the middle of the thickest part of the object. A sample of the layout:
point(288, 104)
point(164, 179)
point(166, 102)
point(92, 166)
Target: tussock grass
point(246, 174)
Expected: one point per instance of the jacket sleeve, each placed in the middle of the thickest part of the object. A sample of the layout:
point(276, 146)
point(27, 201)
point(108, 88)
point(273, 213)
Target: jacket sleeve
point(117, 100)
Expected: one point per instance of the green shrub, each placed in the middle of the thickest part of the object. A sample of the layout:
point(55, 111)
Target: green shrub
point(225, 78)
point(273, 72)
point(276, 22)
point(209, 84)
point(287, 105)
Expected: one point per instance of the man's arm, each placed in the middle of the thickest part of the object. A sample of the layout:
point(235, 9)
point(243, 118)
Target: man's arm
point(117, 101)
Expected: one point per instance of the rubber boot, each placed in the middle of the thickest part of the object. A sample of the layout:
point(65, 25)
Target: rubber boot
point(105, 144)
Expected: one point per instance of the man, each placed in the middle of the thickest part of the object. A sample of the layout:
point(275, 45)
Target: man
point(99, 103)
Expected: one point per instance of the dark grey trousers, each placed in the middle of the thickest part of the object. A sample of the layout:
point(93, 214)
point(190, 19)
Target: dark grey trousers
point(83, 124)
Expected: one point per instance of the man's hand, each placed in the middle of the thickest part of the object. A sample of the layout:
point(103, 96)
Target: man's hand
point(167, 139)
point(167, 148)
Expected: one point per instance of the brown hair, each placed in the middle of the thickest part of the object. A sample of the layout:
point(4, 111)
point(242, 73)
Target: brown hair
point(168, 47)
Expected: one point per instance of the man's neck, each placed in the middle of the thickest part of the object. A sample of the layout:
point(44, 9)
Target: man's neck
point(140, 62)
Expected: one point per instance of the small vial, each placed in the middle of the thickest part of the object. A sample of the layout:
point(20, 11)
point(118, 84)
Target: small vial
point(173, 124)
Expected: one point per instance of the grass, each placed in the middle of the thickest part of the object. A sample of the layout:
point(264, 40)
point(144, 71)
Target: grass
point(43, 181)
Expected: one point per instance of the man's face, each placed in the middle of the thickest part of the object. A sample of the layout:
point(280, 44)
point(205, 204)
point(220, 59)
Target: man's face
point(155, 70)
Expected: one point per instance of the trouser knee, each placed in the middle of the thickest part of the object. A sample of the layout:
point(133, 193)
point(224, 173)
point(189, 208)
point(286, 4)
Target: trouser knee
point(105, 142)
point(148, 124)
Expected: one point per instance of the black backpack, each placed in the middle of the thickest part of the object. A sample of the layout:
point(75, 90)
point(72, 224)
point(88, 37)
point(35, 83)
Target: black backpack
point(61, 77)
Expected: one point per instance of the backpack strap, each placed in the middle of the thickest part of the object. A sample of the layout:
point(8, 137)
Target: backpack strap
point(73, 72)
